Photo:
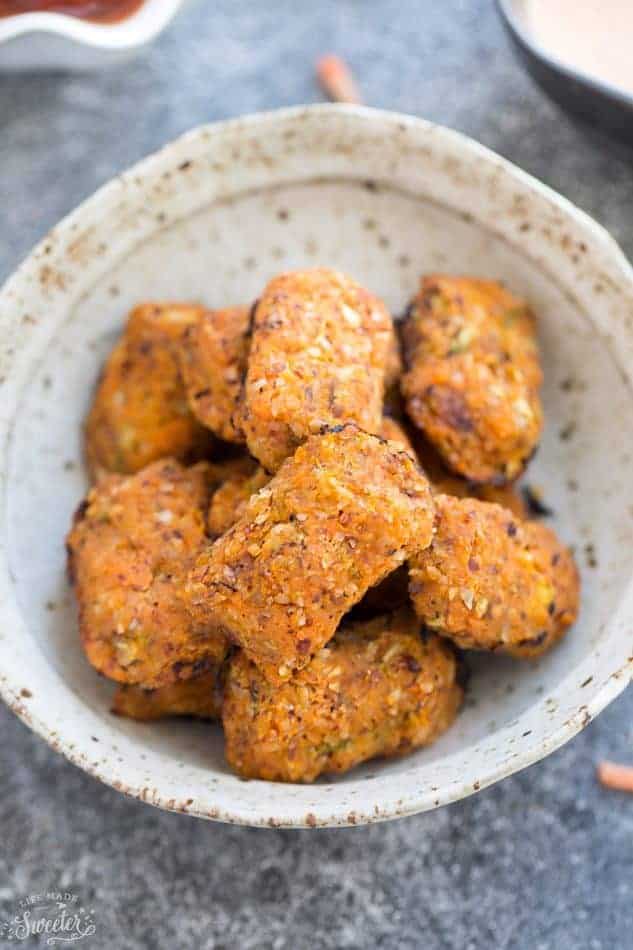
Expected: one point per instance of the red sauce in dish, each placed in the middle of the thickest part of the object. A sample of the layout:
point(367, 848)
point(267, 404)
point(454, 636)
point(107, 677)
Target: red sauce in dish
point(101, 11)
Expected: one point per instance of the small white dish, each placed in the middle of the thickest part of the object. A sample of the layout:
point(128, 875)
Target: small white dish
point(212, 217)
point(54, 41)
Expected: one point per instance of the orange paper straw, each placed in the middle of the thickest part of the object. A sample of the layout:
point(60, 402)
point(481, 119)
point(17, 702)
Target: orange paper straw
point(337, 80)
point(619, 777)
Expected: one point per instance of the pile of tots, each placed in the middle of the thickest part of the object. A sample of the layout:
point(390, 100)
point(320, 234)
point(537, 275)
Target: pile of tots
point(303, 513)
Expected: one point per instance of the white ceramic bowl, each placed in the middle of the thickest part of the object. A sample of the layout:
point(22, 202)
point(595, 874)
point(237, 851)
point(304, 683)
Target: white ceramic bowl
point(212, 217)
point(40, 41)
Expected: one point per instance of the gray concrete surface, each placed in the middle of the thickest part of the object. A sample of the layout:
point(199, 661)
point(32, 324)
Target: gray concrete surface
point(540, 862)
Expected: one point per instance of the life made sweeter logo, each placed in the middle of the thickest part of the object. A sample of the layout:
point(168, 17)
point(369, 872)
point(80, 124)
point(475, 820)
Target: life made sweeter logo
point(53, 916)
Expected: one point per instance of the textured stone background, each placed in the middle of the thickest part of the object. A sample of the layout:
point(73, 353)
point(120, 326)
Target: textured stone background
point(542, 861)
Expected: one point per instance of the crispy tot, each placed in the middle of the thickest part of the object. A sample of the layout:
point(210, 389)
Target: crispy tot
point(230, 499)
point(341, 514)
point(473, 376)
point(132, 543)
point(378, 689)
point(319, 352)
point(213, 364)
point(490, 582)
point(140, 413)
point(200, 697)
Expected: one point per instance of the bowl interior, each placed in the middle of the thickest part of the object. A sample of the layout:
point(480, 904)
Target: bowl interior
point(222, 251)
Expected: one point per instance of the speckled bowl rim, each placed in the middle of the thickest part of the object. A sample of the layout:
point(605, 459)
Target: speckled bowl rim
point(51, 709)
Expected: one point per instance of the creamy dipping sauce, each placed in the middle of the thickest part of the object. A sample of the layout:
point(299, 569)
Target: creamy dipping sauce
point(592, 36)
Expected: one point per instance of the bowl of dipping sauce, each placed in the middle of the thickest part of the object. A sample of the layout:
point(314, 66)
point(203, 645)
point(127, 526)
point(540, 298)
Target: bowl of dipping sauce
point(78, 34)
point(580, 54)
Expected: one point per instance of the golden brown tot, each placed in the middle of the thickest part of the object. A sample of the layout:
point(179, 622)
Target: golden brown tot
point(130, 548)
point(378, 688)
point(473, 376)
point(140, 412)
point(320, 348)
point(229, 500)
point(345, 511)
point(491, 582)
